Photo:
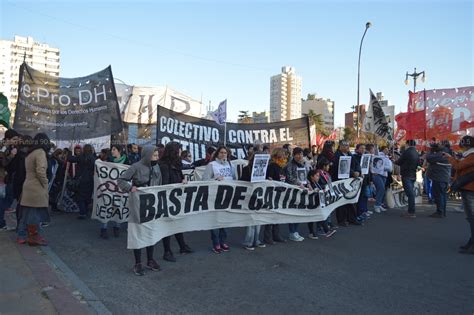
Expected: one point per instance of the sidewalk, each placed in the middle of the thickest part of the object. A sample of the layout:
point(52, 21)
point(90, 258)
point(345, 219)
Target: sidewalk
point(29, 285)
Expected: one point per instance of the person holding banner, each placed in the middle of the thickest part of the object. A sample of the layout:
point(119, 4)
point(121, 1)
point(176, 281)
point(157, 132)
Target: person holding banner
point(34, 199)
point(116, 156)
point(380, 167)
point(144, 173)
point(219, 169)
point(252, 233)
point(345, 214)
point(315, 183)
point(291, 173)
point(172, 173)
point(275, 171)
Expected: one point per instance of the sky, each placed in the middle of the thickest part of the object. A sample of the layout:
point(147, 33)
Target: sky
point(218, 50)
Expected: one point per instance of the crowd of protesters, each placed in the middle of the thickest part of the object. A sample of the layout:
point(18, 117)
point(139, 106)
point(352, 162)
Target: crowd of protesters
point(33, 173)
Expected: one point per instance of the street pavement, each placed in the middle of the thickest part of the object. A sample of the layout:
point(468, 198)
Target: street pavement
point(391, 265)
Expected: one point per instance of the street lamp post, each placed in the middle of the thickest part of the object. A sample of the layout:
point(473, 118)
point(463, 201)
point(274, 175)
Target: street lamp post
point(367, 25)
point(415, 76)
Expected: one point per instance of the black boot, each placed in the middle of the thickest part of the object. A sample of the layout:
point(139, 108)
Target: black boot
point(186, 250)
point(168, 256)
point(116, 231)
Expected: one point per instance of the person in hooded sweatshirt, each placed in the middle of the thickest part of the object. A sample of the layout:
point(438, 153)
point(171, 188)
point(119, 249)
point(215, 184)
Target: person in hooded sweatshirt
point(144, 173)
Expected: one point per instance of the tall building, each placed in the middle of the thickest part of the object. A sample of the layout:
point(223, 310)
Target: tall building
point(285, 95)
point(351, 117)
point(40, 56)
point(323, 107)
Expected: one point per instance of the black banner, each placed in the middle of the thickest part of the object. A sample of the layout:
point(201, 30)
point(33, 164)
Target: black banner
point(195, 134)
point(67, 109)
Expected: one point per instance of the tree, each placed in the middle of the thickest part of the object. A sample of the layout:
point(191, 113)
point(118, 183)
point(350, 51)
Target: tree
point(311, 97)
point(318, 121)
point(244, 117)
point(350, 134)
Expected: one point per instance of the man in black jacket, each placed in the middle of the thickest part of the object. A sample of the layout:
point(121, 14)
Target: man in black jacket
point(408, 163)
point(439, 171)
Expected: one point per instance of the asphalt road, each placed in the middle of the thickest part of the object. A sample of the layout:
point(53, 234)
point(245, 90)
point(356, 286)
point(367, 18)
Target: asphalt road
point(391, 265)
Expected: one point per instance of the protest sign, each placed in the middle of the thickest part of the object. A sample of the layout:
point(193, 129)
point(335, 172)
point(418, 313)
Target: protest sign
point(109, 202)
point(344, 168)
point(67, 109)
point(195, 134)
point(365, 163)
point(156, 212)
point(259, 169)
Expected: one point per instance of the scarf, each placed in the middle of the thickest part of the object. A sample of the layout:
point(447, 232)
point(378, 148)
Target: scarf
point(280, 162)
point(120, 160)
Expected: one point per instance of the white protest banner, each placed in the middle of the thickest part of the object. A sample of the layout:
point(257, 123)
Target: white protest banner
point(160, 211)
point(259, 169)
point(110, 203)
point(344, 168)
point(365, 163)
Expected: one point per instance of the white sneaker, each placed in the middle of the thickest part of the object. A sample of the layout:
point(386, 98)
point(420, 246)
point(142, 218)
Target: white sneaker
point(377, 209)
point(293, 237)
point(300, 238)
point(313, 236)
point(383, 209)
point(370, 212)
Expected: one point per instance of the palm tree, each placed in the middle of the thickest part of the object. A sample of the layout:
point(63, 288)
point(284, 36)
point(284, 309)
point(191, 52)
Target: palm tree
point(318, 122)
point(244, 117)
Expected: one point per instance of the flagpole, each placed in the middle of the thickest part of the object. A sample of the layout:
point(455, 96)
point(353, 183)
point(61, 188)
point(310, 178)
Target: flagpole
point(225, 133)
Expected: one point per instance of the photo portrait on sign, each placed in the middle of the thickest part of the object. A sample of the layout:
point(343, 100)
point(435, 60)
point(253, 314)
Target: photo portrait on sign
point(377, 165)
point(259, 169)
point(344, 167)
point(301, 172)
point(365, 163)
point(322, 199)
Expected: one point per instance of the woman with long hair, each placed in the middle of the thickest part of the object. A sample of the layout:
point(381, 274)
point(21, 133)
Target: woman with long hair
point(143, 173)
point(171, 173)
point(34, 199)
point(279, 159)
point(219, 169)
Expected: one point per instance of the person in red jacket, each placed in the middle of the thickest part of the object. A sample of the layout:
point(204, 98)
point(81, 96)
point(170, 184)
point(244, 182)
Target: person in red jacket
point(465, 167)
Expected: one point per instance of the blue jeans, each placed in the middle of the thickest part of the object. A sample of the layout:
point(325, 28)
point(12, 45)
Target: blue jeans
point(218, 236)
point(379, 182)
point(409, 188)
point(293, 227)
point(362, 203)
point(428, 186)
point(252, 236)
point(440, 195)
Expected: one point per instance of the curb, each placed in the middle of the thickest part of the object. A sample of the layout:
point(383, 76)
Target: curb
point(87, 295)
